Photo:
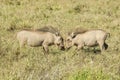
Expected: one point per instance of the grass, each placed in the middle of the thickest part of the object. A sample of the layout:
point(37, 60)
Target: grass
point(32, 64)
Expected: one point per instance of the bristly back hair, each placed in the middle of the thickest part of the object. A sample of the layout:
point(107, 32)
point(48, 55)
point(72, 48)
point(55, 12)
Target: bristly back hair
point(78, 31)
point(49, 29)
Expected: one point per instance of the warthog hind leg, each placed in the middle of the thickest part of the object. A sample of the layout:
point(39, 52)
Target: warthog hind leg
point(101, 44)
point(105, 46)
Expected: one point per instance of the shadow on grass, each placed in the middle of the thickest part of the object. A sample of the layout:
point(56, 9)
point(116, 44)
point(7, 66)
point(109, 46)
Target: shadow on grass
point(56, 52)
point(94, 51)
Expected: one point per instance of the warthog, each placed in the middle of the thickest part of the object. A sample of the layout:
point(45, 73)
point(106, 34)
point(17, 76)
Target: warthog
point(88, 38)
point(45, 37)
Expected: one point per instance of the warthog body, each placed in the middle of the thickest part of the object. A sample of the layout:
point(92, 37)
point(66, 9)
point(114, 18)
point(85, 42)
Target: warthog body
point(88, 38)
point(40, 37)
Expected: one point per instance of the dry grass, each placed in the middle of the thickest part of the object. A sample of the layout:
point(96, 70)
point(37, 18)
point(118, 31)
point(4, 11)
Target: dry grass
point(32, 64)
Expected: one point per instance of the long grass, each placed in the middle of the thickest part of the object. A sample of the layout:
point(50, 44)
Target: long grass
point(31, 63)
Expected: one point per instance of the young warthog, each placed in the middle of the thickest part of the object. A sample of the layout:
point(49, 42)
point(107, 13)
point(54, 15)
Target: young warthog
point(88, 38)
point(45, 37)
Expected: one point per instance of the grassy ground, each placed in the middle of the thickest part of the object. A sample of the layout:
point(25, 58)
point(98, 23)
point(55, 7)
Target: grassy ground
point(32, 64)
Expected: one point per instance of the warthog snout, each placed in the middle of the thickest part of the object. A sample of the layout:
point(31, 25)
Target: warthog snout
point(62, 48)
point(60, 42)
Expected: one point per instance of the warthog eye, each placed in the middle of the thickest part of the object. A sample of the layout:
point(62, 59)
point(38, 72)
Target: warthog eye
point(68, 40)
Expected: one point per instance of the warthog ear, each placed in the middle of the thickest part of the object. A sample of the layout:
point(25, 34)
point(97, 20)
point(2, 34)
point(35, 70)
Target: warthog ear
point(73, 35)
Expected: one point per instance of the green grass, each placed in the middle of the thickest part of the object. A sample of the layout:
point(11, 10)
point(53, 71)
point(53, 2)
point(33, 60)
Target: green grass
point(86, 74)
point(32, 64)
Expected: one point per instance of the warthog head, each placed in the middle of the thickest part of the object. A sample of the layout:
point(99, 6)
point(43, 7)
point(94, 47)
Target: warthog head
point(59, 42)
point(58, 39)
point(69, 42)
point(72, 35)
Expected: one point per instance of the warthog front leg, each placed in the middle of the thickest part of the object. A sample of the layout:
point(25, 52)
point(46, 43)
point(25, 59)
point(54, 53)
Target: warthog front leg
point(45, 48)
point(79, 47)
point(22, 43)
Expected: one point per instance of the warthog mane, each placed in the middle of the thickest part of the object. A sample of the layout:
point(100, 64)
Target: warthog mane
point(49, 29)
